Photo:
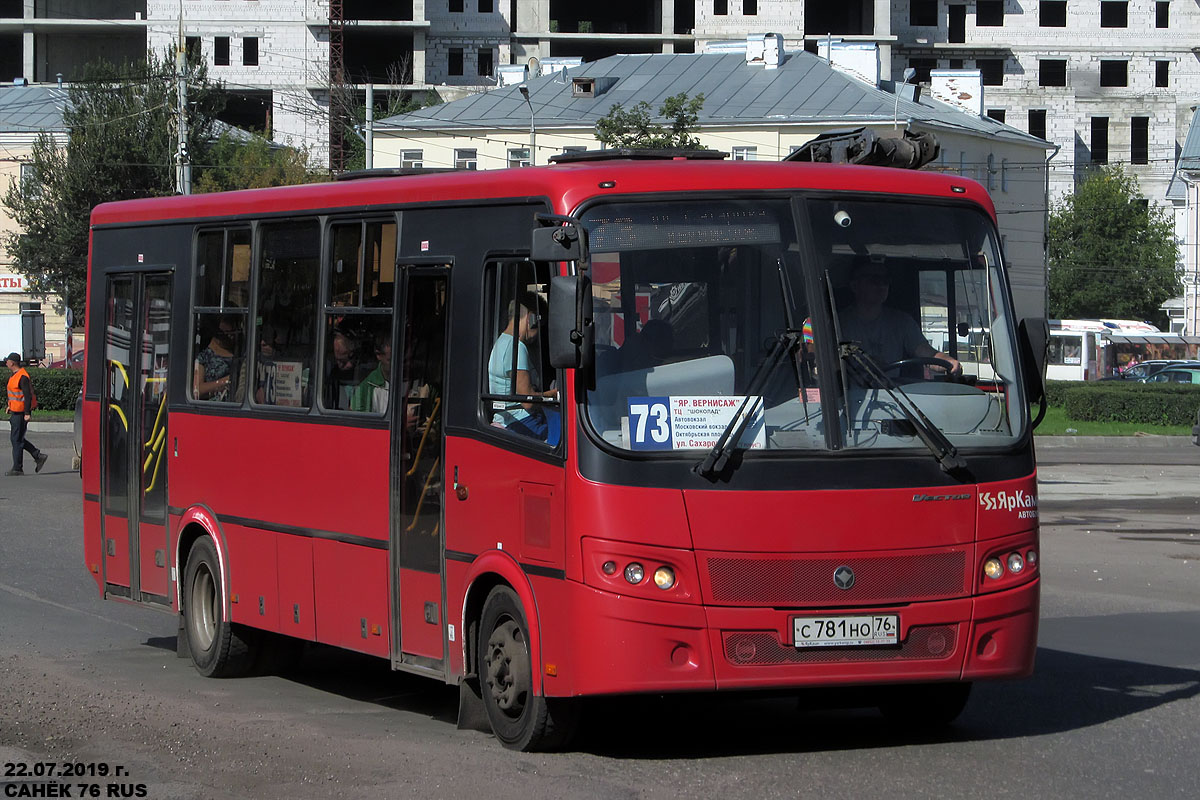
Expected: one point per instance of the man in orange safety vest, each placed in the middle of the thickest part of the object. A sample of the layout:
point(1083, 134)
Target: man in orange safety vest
point(21, 401)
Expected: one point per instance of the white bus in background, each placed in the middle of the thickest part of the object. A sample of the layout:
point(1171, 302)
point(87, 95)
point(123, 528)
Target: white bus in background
point(1078, 347)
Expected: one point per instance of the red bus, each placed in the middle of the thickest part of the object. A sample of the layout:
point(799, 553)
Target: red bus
point(602, 427)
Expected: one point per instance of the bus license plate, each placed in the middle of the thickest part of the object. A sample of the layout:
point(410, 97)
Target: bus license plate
point(878, 629)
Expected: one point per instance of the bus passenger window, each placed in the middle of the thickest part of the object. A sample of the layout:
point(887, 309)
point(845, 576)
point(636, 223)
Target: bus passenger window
point(221, 300)
point(521, 396)
point(287, 291)
point(357, 373)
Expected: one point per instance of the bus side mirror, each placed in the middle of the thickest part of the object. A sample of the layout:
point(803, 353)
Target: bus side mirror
point(572, 344)
point(1034, 336)
point(557, 243)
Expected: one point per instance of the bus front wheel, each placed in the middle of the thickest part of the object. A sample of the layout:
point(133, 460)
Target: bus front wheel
point(219, 648)
point(520, 719)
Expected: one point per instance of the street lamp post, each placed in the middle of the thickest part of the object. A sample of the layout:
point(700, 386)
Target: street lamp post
point(532, 130)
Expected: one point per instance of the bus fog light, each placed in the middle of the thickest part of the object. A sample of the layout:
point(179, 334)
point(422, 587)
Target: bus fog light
point(610, 567)
point(1031, 557)
point(993, 568)
point(634, 573)
point(664, 577)
point(1016, 564)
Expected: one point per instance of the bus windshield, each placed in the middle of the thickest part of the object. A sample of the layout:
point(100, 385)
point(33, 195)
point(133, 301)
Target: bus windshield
point(884, 316)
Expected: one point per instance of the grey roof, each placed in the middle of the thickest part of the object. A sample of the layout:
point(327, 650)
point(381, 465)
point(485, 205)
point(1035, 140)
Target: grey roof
point(29, 109)
point(804, 89)
point(1189, 157)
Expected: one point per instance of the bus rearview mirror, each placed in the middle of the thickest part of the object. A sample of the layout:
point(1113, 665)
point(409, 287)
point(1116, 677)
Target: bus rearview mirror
point(556, 243)
point(570, 324)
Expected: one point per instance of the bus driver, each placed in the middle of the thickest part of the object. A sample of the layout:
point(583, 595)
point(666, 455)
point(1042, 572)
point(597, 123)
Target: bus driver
point(887, 334)
point(529, 419)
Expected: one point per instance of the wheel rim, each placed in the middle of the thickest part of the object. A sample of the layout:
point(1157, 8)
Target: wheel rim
point(506, 663)
point(203, 608)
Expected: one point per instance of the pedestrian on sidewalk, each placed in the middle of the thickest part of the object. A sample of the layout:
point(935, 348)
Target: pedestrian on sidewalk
point(20, 406)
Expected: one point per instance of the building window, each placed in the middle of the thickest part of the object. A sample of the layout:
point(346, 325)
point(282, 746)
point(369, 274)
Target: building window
point(412, 159)
point(996, 114)
point(1114, 14)
point(485, 63)
point(1037, 122)
point(250, 51)
point(923, 13)
point(1162, 15)
point(1114, 73)
point(1052, 72)
point(518, 156)
point(991, 70)
point(1052, 13)
point(923, 66)
point(29, 184)
point(574, 148)
point(192, 48)
point(745, 153)
point(720, 8)
point(454, 6)
point(466, 158)
point(956, 23)
point(454, 64)
point(1099, 140)
point(989, 13)
point(750, 7)
point(485, 7)
point(221, 51)
point(1162, 74)
point(1139, 140)
point(956, 63)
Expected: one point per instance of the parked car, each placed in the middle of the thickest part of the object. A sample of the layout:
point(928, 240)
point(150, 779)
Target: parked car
point(74, 362)
point(1144, 369)
point(1175, 375)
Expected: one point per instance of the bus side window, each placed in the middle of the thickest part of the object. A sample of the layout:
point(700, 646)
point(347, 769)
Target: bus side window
point(519, 396)
point(360, 289)
point(287, 277)
point(220, 298)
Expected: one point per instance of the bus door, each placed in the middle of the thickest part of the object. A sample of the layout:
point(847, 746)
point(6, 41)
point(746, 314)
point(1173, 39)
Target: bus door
point(418, 463)
point(133, 436)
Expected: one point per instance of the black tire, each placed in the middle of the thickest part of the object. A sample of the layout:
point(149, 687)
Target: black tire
point(925, 706)
point(219, 648)
point(520, 719)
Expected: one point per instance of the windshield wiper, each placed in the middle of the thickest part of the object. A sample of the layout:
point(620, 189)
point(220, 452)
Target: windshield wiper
point(933, 438)
point(727, 442)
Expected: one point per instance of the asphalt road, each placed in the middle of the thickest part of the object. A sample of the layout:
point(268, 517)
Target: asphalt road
point(1112, 710)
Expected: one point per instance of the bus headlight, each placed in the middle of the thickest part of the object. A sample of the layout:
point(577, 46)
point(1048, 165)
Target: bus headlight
point(634, 573)
point(1015, 563)
point(993, 568)
point(664, 578)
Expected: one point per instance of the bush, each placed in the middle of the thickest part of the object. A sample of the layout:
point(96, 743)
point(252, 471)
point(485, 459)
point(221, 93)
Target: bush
point(1147, 403)
point(56, 389)
point(1056, 391)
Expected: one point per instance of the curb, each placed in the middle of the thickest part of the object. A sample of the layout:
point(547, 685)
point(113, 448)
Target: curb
point(1137, 441)
point(51, 427)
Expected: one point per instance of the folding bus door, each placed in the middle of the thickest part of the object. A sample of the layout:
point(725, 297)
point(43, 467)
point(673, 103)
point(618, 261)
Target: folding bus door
point(418, 463)
point(133, 436)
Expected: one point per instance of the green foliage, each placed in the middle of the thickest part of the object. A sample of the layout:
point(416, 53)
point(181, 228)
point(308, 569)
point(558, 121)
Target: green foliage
point(1120, 401)
point(1056, 391)
point(241, 163)
point(1110, 254)
point(56, 389)
point(121, 145)
point(634, 128)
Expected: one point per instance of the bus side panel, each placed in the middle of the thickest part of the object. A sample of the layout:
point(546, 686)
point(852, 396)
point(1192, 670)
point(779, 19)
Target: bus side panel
point(93, 539)
point(351, 583)
point(297, 611)
point(420, 624)
point(253, 589)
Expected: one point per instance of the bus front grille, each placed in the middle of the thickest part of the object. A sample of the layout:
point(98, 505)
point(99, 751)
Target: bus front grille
point(763, 648)
point(801, 581)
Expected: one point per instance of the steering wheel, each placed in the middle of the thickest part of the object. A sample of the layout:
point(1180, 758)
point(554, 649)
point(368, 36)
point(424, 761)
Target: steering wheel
point(922, 361)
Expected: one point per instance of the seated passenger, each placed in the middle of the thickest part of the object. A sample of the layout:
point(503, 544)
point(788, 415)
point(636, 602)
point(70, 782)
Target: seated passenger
point(372, 394)
point(887, 334)
point(342, 371)
point(528, 419)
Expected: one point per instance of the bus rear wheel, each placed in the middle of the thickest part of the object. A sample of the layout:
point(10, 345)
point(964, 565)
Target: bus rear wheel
point(219, 648)
point(520, 719)
point(925, 706)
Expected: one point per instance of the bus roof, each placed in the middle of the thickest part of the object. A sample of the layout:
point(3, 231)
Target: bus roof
point(566, 185)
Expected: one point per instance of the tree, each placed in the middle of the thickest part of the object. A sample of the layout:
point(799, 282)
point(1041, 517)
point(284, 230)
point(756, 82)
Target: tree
point(245, 161)
point(1110, 254)
point(121, 144)
point(635, 127)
